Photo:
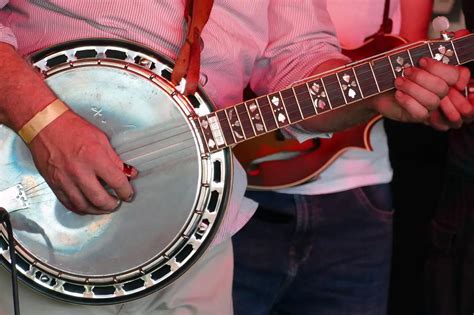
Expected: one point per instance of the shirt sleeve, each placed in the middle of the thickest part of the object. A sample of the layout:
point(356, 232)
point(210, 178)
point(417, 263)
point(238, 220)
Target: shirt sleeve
point(301, 36)
point(6, 34)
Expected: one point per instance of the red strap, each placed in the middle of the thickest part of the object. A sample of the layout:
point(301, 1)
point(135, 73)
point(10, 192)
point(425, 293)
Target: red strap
point(188, 62)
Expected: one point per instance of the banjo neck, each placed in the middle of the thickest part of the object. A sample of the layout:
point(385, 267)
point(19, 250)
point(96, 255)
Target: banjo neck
point(324, 93)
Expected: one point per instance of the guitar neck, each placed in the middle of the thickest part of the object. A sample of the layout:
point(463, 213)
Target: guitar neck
point(324, 93)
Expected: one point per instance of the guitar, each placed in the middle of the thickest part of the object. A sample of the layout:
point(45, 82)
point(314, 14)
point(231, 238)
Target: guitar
point(180, 147)
point(308, 159)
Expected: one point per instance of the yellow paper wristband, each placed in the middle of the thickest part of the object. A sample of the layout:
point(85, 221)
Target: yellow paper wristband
point(42, 119)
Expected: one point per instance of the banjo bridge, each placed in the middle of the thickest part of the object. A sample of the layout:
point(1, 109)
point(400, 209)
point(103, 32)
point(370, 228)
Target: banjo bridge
point(14, 198)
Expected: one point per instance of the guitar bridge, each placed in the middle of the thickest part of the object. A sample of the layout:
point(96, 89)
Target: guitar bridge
point(14, 198)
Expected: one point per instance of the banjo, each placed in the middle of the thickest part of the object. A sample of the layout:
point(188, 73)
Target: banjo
point(180, 146)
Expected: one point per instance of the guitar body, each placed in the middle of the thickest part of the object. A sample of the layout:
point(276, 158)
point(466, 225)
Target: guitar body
point(260, 157)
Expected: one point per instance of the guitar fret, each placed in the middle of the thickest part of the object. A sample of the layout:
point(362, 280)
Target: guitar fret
point(255, 117)
point(367, 83)
point(278, 109)
point(245, 121)
point(381, 67)
point(431, 51)
point(267, 113)
point(235, 124)
point(358, 84)
point(465, 48)
point(226, 129)
point(291, 105)
point(304, 99)
point(391, 66)
point(333, 91)
point(297, 102)
point(343, 94)
point(399, 62)
point(455, 53)
point(319, 96)
point(350, 87)
point(373, 73)
point(419, 52)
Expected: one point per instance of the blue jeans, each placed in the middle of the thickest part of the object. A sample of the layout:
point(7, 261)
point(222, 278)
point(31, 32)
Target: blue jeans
point(324, 254)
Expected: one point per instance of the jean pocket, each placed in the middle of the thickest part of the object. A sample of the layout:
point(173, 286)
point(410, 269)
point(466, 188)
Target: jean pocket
point(377, 199)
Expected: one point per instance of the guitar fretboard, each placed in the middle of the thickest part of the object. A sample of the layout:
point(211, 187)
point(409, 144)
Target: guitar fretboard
point(318, 95)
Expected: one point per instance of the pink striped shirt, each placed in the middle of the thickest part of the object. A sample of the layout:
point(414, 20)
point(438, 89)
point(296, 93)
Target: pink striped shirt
point(269, 43)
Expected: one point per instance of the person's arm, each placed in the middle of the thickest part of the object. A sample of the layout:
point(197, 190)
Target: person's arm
point(416, 18)
point(71, 154)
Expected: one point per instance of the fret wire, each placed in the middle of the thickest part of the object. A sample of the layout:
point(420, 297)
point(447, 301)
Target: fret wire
point(340, 86)
point(431, 52)
point(327, 93)
point(373, 74)
point(230, 126)
point(203, 135)
point(391, 66)
point(358, 84)
point(312, 101)
point(284, 107)
point(250, 118)
point(291, 110)
point(455, 52)
point(271, 110)
point(260, 113)
point(409, 55)
point(297, 103)
point(238, 118)
point(307, 100)
point(266, 113)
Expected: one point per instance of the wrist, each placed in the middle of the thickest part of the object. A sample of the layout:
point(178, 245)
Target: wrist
point(41, 120)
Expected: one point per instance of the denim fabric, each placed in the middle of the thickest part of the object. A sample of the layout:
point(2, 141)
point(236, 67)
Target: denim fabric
point(327, 254)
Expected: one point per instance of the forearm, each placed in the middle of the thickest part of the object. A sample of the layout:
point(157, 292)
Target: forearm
point(23, 93)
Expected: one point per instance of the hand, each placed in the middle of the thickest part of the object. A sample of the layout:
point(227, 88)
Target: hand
point(74, 157)
point(455, 108)
point(419, 91)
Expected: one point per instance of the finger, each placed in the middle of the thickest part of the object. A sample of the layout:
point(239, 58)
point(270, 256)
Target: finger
point(461, 104)
point(96, 194)
point(423, 97)
point(116, 179)
point(427, 81)
point(450, 113)
point(411, 106)
point(464, 77)
point(63, 199)
point(80, 205)
point(448, 73)
point(437, 121)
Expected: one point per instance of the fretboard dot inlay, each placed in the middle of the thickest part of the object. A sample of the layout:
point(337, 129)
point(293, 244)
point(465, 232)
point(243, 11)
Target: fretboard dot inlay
point(275, 101)
point(443, 54)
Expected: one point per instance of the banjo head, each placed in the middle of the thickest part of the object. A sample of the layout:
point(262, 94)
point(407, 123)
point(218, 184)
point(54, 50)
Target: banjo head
point(181, 190)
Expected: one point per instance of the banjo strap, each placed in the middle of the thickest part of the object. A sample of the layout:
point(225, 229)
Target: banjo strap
point(187, 64)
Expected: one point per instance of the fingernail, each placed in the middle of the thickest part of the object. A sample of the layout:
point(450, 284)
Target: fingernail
point(117, 206)
point(131, 197)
